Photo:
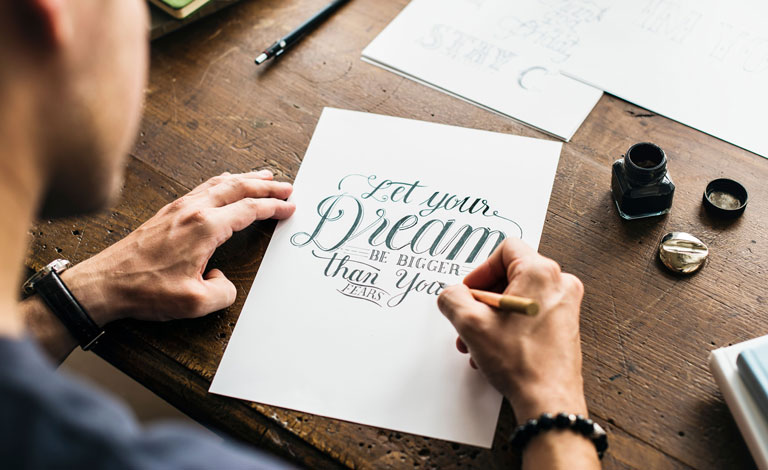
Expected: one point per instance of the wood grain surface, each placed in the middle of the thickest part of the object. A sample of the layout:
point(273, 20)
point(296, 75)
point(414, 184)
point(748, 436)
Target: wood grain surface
point(646, 333)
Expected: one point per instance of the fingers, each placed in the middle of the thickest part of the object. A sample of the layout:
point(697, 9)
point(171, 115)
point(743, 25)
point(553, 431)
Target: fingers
point(465, 350)
point(220, 292)
point(494, 269)
point(259, 175)
point(574, 286)
point(235, 188)
point(244, 212)
point(453, 299)
point(462, 310)
point(229, 203)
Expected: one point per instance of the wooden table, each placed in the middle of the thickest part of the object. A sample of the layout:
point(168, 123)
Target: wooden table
point(646, 334)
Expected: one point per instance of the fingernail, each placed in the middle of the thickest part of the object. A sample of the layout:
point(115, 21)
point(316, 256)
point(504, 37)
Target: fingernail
point(266, 173)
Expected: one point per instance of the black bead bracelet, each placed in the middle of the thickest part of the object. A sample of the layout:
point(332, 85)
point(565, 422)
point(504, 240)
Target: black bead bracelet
point(576, 423)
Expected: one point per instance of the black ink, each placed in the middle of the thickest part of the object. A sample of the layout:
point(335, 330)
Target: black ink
point(413, 284)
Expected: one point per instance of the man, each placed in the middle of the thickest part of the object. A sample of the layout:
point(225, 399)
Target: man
point(71, 81)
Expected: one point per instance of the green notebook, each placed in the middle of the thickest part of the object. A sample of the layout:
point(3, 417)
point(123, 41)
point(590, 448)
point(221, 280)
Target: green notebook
point(179, 8)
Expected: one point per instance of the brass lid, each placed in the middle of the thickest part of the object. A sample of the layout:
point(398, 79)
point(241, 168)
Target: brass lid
point(682, 252)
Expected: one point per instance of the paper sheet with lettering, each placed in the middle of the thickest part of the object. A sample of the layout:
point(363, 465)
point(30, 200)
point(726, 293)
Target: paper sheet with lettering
point(703, 63)
point(501, 55)
point(342, 318)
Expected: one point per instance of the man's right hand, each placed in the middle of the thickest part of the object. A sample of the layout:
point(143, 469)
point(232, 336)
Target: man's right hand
point(534, 361)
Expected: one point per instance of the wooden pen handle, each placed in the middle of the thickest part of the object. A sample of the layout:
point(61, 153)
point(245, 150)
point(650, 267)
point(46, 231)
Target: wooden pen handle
point(507, 303)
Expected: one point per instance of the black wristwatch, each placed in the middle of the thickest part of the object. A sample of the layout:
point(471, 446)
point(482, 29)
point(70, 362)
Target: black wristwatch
point(48, 285)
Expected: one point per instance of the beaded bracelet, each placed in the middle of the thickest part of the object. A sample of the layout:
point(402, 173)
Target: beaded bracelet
point(577, 423)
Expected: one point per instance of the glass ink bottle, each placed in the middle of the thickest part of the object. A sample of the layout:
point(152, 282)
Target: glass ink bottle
point(640, 183)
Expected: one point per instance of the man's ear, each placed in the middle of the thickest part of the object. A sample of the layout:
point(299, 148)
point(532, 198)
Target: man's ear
point(47, 23)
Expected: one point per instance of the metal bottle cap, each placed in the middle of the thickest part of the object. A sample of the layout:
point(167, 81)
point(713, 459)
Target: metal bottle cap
point(725, 198)
point(682, 252)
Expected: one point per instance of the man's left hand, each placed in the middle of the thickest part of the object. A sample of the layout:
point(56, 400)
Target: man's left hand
point(158, 271)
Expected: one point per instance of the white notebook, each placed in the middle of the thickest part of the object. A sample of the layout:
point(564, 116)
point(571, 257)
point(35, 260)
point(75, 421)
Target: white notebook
point(751, 422)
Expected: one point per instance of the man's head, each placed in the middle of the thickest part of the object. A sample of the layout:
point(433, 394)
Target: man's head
point(79, 69)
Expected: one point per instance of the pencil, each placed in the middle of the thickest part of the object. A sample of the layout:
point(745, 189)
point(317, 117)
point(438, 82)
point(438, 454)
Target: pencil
point(507, 303)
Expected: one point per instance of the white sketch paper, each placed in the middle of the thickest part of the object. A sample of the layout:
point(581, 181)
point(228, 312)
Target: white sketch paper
point(703, 63)
point(501, 55)
point(342, 319)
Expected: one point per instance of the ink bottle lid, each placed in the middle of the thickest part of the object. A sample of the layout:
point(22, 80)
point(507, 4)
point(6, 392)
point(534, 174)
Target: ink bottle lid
point(682, 253)
point(725, 198)
point(640, 184)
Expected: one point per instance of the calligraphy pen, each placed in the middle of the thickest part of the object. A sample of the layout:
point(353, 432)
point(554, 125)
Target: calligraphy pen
point(505, 303)
point(281, 45)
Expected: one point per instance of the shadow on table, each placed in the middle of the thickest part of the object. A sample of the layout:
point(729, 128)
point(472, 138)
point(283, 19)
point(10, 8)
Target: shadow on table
point(714, 419)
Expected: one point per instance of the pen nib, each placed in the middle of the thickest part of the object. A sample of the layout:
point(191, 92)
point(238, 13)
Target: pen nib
point(261, 59)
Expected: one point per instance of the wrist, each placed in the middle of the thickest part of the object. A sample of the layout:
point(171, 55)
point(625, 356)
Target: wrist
point(565, 441)
point(548, 398)
point(93, 291)
point(57, 321)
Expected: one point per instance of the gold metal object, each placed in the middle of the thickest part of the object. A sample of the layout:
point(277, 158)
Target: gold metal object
point(682, 252)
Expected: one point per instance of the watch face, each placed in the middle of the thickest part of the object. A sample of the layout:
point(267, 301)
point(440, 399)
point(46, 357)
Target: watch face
point(57, 266)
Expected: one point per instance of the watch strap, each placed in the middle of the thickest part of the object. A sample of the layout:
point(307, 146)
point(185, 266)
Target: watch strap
point(65, 306)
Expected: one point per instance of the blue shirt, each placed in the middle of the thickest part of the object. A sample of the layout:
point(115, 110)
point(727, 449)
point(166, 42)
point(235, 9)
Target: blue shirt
point(49, 420)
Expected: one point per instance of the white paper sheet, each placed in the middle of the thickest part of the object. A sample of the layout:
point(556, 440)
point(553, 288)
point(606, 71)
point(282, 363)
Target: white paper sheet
point(374, 348)
point(501, 55)
point(703, 63)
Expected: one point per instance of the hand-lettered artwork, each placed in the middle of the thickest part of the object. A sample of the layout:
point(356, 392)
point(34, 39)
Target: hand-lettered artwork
point(342, 319)
point(703, 63)
point(358, 253)
point(501, 55)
